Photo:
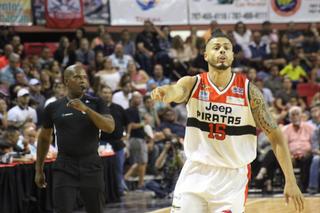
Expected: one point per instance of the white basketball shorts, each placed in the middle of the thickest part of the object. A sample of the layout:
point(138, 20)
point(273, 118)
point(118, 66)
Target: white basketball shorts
point(202, 188)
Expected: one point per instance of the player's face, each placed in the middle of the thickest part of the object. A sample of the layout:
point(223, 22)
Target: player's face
point(219, 53)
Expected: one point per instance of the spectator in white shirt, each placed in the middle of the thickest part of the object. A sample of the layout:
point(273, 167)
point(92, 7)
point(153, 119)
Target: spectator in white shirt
point(119, 59)
point(22, 113)
point(123, 96)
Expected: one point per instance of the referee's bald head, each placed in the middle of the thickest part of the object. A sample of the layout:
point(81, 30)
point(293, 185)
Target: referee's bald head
point(70, 71)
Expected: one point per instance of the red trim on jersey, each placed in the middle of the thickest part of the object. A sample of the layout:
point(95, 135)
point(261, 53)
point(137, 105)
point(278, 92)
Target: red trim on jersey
point(247, 186)
point(235, 90)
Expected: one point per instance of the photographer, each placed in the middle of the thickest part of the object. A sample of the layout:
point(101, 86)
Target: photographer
point(169, 163)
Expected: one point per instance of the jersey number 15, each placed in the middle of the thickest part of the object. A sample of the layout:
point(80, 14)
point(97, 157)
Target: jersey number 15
point(217, 131)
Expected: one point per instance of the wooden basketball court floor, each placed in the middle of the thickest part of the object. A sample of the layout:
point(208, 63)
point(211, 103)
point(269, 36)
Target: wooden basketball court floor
point(272, 205)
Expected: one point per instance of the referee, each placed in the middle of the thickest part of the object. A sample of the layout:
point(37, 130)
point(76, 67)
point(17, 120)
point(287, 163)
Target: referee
point(77, 120)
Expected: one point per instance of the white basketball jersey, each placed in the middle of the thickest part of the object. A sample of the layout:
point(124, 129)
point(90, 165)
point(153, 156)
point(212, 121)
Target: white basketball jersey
point(220, 128)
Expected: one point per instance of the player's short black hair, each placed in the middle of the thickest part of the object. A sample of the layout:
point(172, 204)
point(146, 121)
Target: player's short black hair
point(217, 33)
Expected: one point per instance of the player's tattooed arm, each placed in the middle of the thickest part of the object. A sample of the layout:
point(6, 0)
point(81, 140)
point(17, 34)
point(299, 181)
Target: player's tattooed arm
point(260, 112)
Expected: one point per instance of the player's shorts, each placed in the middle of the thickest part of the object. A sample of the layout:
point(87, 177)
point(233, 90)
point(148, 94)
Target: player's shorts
point(202, 188)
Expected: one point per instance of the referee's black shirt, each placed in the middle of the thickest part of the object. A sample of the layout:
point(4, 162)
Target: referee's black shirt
point(76, 134)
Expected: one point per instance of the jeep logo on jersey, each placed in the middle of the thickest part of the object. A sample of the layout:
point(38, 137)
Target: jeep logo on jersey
point(204, 95)
point(226, 211)
point(237, 90)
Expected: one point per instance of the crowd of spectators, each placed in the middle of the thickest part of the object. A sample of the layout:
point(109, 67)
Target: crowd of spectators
point(149, 135)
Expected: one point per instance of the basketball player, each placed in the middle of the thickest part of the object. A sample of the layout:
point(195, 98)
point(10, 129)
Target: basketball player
point(77, 120)
point(220, 141)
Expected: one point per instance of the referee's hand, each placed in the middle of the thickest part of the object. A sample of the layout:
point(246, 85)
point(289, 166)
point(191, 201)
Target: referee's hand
point(77, 104)
point(40, 179)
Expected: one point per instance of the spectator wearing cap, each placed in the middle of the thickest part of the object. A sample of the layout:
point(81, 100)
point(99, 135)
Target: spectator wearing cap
point(21, 112)
point(7, 74)
point(35, 92)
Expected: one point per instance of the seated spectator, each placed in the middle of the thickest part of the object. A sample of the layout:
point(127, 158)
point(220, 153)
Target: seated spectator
point(311, 42)
point(109, 75)
point(305, 62)
point(295, 36)
point(284, 95)
point(181, 55)
point(8, 72)
point(242, 35)
point(3, 115)
point(315, 164)
point(45, 58)
point(294, 71)
point(35, 92)
point(64, 54)
point(315, 71)
point(168, 120)
point(256, 51)
point(98, 40)
point(4, 59)
point(198, 64)
point(298, 135)
point(162, 55)
point(22, 113)
point(274, 57)
point(59, 92)
point(269, 164)
point(120, 60)
point(147, 46)
point(158, 78)
point(80, 34)
point(15, 42)
point(28, 141)
point(315, 115)
point(84, 54)
point(285, 47)
point(55, 71)
point(11, 136)
point(129, 48)
point(139, 77)
point(148, 108)
point(123, 96)
point(107, 46)
point(274, 81)
point(269, 34)
point(267, 94)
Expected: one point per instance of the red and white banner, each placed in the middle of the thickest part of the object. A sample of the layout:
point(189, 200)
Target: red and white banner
point(64, 13)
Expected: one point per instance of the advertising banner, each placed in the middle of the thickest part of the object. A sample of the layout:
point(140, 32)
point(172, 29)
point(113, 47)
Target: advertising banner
point(294, 10)
point(160, 12)
point(227, 11)
point(15, 12)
